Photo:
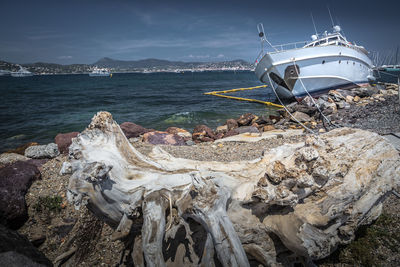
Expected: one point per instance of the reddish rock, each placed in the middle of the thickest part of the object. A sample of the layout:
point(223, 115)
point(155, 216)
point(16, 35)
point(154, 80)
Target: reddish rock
point(232, 124)
point(203, 133)
point(179, 131)
point(21, 149)
point(231, 133)
point(131, 129)
point(163, 138)
point(64, 140)
point(268, 128)
point(246, 119)
point(15, 180)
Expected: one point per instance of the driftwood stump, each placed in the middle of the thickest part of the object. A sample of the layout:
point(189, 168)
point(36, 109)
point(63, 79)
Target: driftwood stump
point(304, 198)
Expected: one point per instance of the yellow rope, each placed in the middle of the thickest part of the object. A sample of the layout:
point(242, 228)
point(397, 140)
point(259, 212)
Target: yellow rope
point(219, 94)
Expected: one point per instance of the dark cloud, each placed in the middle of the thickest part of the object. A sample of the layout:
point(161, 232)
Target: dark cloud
point(83, 31)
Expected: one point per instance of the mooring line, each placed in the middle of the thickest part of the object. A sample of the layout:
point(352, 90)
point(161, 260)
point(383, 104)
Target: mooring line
point(221, 94)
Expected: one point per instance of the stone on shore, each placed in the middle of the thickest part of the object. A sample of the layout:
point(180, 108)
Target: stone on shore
point(48, 151)
point(203, 133)
point(64, 140)
point(246, 119)
point(16, 250)
point(163, 138)
point(15, 180)
point(300, 116)
point(232, 124)
point(179, 131)
point(131, 129)
point(9, 158)
point(21, 149)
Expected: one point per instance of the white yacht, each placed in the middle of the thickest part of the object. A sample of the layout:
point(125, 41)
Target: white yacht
point(327, 62)
point(100, 72)
point(22, 72)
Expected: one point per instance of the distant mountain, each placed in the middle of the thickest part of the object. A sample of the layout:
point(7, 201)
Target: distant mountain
point(159, 63)
point(145, 65)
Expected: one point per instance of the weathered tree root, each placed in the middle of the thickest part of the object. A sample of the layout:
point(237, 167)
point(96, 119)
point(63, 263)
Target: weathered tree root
point(312, 195)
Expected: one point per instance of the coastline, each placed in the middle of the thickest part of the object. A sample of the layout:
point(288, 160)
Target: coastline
point(374, 111)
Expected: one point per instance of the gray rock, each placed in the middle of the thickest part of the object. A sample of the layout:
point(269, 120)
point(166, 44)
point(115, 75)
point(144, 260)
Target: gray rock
point(300, 116)
point(41, 152)
point(16, 250)
point(246, 129)
point(9, 158)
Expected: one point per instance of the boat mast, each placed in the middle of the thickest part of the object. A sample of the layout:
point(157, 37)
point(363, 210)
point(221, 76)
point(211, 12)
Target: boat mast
point(315, 28)
point(330, 16)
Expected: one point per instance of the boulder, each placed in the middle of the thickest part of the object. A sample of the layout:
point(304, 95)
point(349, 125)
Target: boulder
point(9, 158)
point(246, 129)
point(300, 116)
point(163, 138)
point(336, 96)
point(263, 120)
point(308, 101)
point(16, 250)
point(349, 99)
point(221, 129)
point(42, 152)
point(246, 119)
point(15, 180)
point(64, 140)
point(203, 133)
point(179, 131)
point(309, 110)
point(268, 128)
point(21, 149)
point(131, 129)
point(232, 124)
point(356, 98)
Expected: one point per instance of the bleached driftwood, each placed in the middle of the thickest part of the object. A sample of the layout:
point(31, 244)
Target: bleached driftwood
point(312, 195)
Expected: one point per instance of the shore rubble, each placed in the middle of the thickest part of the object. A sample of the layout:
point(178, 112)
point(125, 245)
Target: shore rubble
point(53, 226)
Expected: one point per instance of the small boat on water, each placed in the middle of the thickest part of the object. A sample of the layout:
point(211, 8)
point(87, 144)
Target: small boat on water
point(100, 72)
point(329, 61)
point(22, 72)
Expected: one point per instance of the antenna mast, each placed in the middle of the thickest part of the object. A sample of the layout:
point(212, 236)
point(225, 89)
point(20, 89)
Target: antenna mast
point(330, 16)
point(315, 28)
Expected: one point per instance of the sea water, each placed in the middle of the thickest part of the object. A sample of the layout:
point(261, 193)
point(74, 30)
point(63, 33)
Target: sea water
point(38, 108)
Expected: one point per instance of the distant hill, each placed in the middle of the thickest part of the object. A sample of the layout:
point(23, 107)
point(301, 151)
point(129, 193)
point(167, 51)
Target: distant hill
point(159, 63)
point(145, 65)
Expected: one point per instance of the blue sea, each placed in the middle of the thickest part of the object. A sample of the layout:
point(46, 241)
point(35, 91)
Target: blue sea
point(38, 108)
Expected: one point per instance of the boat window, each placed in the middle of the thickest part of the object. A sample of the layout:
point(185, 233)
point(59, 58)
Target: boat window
point(332, 39)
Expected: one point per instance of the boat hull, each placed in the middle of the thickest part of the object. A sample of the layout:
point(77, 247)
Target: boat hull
point(314, 70)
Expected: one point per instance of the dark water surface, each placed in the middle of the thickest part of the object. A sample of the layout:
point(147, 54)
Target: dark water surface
point(37, 108)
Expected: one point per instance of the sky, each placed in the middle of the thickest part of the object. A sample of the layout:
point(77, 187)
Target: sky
point(83, 31)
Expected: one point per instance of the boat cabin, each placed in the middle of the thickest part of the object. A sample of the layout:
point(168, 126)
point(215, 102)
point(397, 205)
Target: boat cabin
point(334, 39)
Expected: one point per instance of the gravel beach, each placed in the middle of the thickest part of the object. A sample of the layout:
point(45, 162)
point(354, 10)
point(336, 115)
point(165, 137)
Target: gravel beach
point(53, 229)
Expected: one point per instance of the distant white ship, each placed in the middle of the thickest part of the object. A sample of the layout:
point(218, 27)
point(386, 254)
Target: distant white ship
point(22, 72)
point(100, 72)
point(329, 61)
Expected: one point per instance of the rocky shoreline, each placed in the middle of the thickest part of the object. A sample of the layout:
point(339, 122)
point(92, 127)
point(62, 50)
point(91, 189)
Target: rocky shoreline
point(51, 224)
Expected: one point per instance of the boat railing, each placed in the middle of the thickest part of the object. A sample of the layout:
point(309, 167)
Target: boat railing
point(288, 46)
point(280, 48)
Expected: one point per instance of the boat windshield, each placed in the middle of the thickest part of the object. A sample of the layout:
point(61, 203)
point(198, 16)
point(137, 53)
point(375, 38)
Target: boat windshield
point(329, 40)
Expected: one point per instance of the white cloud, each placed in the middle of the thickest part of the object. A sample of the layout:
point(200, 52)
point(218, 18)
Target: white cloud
point(220, 56)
